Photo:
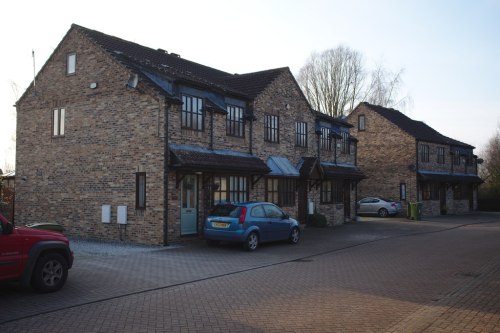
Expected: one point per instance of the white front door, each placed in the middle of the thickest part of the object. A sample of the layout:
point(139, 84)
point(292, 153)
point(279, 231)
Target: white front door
point(189, 199)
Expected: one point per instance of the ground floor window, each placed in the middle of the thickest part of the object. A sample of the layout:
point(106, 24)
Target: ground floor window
point(458, 192)
point(140, 190)
point(281, 191)
point(430, 191)
point(402, 191)
point(230, 189)
point(331, 192)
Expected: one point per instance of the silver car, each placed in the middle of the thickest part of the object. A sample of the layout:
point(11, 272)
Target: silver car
point(378, 206)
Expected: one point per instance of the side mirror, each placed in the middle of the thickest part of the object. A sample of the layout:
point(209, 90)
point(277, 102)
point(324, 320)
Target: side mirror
point(7, 228)
point(285, 216)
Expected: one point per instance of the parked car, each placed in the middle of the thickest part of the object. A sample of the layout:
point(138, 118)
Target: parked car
point(250, 223)
point(378, 206)
point(33, 256)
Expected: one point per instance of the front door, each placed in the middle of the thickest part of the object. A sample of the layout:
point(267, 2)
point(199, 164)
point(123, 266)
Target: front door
point(189, 199)
point(442, 199)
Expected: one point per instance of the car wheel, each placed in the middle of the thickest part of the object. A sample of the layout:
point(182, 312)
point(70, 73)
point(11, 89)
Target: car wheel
point(252, 242)
point(50, 273)
point(294, 236)
point(382, 212)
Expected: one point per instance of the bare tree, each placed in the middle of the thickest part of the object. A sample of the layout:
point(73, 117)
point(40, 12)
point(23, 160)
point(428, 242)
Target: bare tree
point(332, 80)
point(490, 170)
point(335, 81)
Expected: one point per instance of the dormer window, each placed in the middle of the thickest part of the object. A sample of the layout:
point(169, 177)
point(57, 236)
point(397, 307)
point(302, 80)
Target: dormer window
point(71, 64)
point(192, 113)
point(325, 141)
point(235, 124)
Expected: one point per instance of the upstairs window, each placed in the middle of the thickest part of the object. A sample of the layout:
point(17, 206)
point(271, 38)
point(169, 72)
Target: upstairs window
point(71, 64)
point(440, 157)
point(301, 134)
point(192, 113)
point(140, 190)
point(235, 122)
point(346, 149)
point(271, 128)
point(456, 157)
point(424, 153)
point(326, 140)
point(361, 122)
point(58, 116)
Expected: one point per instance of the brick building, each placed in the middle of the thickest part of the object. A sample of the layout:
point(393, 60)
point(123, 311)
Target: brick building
point(117, 132)
point(407, 160)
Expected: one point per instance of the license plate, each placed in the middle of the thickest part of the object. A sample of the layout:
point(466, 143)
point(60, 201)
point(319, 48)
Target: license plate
point(220, 225)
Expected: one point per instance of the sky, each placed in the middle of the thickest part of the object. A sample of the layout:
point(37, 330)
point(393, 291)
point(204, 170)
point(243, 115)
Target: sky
point(449, 50)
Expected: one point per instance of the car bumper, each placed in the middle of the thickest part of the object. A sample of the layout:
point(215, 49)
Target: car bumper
point(224, 235)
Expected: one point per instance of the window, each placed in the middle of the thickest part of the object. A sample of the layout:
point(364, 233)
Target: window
point(220, 189)
point(192, 113)
point(258, 211)
point(361, 122)
point(469, 160)
point(325, 140)
point(430, 191)
point(331, 192)
point(345, 143)
point(235, 121)
point(456, 157)
point(440, 158)
point(301, 134)
point(424, 153)
point(281, 191)
point(402, 191)
point(271, 128)
point(140, 190)
point(238, 189)
point(457, 192)
point(71, 64)
point(58, 116)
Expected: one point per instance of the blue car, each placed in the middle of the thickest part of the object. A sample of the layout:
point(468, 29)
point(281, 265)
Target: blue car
point(250, 223)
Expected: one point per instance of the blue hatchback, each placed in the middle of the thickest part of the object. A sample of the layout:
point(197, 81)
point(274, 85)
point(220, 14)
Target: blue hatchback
point(250, 223)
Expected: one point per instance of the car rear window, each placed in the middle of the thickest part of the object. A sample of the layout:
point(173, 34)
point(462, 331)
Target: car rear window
point(226, 210)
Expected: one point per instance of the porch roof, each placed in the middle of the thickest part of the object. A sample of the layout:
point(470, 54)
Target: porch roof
point(281, 167)
point(445, 177)
point(346, 171)
point(199, 159)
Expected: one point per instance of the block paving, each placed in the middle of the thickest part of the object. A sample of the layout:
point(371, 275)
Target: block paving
point(375, 275)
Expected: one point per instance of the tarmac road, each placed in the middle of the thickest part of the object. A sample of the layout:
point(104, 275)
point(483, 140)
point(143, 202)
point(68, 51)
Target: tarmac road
point(375, 275)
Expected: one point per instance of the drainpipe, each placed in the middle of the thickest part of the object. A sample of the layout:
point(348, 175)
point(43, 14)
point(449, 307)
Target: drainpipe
point(166, 160)
point(416, 170)
point(211, 130)
point(335, 149)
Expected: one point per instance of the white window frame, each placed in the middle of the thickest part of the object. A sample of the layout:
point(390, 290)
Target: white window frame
point(58, 119)
point(71, 64)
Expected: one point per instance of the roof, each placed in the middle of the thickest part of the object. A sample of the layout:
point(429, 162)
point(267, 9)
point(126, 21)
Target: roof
point(339, 120)
point(347, 171)
point(195, 158)
point(415, 128)
point(446, 177)
point(281, 166)
point(310, 167)
point(151, 61)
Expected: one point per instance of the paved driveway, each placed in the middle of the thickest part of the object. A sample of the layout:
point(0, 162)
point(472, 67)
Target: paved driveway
point(373, 275)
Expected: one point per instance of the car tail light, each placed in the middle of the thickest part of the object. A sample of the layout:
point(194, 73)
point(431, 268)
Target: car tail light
point(243, 215)
point(393, 204)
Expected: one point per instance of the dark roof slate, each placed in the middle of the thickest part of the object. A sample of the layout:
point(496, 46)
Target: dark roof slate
point(138, 57)
point(415, 128)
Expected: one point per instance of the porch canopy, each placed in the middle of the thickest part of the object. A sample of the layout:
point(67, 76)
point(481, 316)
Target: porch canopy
point(345, 171)
point(444, 177)
point(188, 158)
point(281, 167)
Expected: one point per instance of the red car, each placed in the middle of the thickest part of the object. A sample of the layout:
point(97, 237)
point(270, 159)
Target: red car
point(36, 257)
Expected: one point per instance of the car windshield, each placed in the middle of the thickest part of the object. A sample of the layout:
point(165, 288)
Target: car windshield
point(226, 210)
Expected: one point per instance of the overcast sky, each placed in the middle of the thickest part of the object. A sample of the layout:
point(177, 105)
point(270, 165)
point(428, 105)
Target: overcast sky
point(449, 50)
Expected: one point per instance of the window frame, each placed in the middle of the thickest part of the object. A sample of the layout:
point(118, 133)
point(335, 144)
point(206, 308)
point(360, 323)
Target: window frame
point(345, 144)
point(271, 128)
point(58, 122)
point(281, 191)
point(140, 191)
point(440, 155)
point(301, 134)
point(430, 191)
point(325, 141)
point(71, 63)
point(188, 115)
point(361, 122)
point(332, 192)
point(456, 157)
point(424, 153)
point(402, 191)
point(235, 127)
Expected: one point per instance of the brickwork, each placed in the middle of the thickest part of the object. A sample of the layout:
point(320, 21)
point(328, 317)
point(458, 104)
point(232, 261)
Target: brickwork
point(113, 131)
point(386, 153)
